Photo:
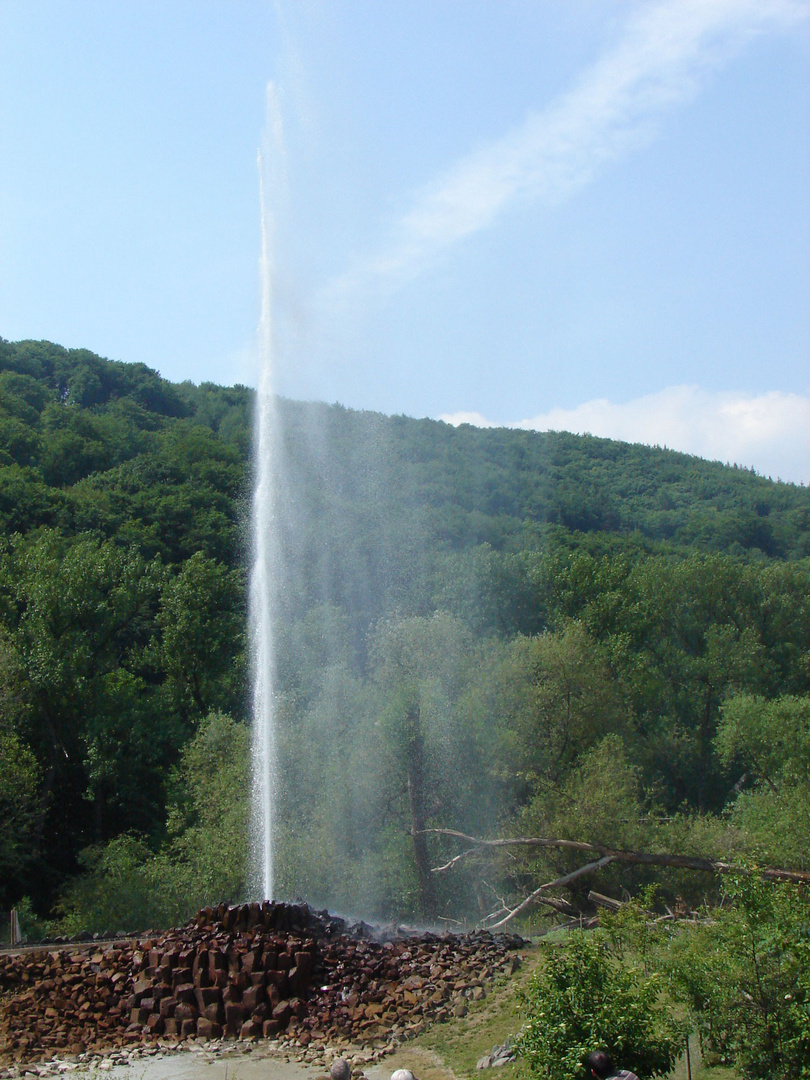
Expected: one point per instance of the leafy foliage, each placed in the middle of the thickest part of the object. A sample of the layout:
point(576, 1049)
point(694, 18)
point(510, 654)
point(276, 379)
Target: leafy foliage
point(19, 812)
point(126, 886)
point(582, 999)
point(746, 978)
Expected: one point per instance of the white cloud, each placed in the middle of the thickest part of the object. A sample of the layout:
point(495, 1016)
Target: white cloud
point(770, 431)
point(658, 63)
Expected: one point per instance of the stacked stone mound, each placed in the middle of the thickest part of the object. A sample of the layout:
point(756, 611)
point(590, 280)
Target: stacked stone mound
point(376, 991)
point(272, 970)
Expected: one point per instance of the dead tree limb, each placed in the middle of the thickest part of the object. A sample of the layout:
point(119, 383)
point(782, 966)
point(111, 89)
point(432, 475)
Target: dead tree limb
point(537, 895)
point(453, 861)
point(644, 858)
point(600, 900)
point(558, 903)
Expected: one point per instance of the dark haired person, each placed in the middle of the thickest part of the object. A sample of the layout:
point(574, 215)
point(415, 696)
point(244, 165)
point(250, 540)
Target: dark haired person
point(602, 1068)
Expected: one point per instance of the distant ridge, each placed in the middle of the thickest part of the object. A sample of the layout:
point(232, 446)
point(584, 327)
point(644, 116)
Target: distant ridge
point(477, 484)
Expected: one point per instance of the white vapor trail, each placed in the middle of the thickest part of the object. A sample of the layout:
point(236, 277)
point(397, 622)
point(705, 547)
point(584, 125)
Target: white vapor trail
point(666, 49)
point(770, 431)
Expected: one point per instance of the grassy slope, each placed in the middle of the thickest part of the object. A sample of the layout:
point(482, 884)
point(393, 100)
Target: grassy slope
point(450, 1051)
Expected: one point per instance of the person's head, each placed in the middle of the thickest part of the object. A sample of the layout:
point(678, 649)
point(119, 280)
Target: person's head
point(600, 1064)
point(340, 1070)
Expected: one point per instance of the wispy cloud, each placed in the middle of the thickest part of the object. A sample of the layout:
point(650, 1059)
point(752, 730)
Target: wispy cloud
point(770, 431)
point(659, 62)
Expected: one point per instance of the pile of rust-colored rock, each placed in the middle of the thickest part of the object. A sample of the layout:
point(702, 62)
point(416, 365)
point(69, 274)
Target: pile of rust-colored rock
point(60, 1000)
point(234, 971)
point(269, 970)
point(393, 990)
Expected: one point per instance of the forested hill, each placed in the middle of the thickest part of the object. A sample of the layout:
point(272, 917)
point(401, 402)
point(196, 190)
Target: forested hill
point(500, 601)
point(87, 443)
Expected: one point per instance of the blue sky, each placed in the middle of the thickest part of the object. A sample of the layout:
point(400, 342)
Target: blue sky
point(580, 214)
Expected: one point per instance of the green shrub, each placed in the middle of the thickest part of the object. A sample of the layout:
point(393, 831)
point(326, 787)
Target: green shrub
point(745, 975)
point(582, 999)
point(127, 886)
point(115, 892)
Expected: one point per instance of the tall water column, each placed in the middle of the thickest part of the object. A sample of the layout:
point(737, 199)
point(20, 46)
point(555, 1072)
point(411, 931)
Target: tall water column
point(263, 581)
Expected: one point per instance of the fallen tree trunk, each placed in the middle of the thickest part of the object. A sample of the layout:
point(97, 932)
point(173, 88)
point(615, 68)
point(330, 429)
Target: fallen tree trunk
point(644, 858)
point(600, 900)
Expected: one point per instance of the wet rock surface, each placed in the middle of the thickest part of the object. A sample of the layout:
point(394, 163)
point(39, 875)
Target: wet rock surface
point(299, 980)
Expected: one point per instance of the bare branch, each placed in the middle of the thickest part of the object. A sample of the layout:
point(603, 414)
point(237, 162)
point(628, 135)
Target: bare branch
point(453, 861)
point(536, 896)
point(558, 903)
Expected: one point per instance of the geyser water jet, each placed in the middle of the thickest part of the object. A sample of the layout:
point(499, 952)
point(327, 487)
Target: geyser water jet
point(263, 580)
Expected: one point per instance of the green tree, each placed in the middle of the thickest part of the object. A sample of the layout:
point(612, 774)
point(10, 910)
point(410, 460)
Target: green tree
point(202, 619)
point(770, 740)
point(208, 848)
point(419, 664)
point(20, 815)
point(542, 701)
point(78, 618)
point(745, 975)
point(126, 885)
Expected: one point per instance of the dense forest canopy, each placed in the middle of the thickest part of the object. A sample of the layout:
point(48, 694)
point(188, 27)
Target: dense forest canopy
point(488, 630)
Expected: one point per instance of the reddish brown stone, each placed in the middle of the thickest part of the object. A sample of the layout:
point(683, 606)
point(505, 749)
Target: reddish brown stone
point(207, 995)
point(278, 979)
point(305, 962)
point(181, 976)
point(252, 997)
point(167, 1007)
point(186, 992)
point(234, 1018)
point(217, 961)
point(282, 1014)
point(58, 999)
point(155, 1024)
point(249, 1030)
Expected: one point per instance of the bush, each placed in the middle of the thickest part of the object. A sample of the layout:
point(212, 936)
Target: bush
point(125, 885)
point(745, 976)
point(582, 999)
point(114, 893)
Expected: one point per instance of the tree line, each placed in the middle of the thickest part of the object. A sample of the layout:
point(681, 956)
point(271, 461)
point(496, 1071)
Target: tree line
point(497, 632)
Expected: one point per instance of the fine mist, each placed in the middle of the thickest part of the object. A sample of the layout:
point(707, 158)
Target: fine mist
point(380, 729)
point(370, 597)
